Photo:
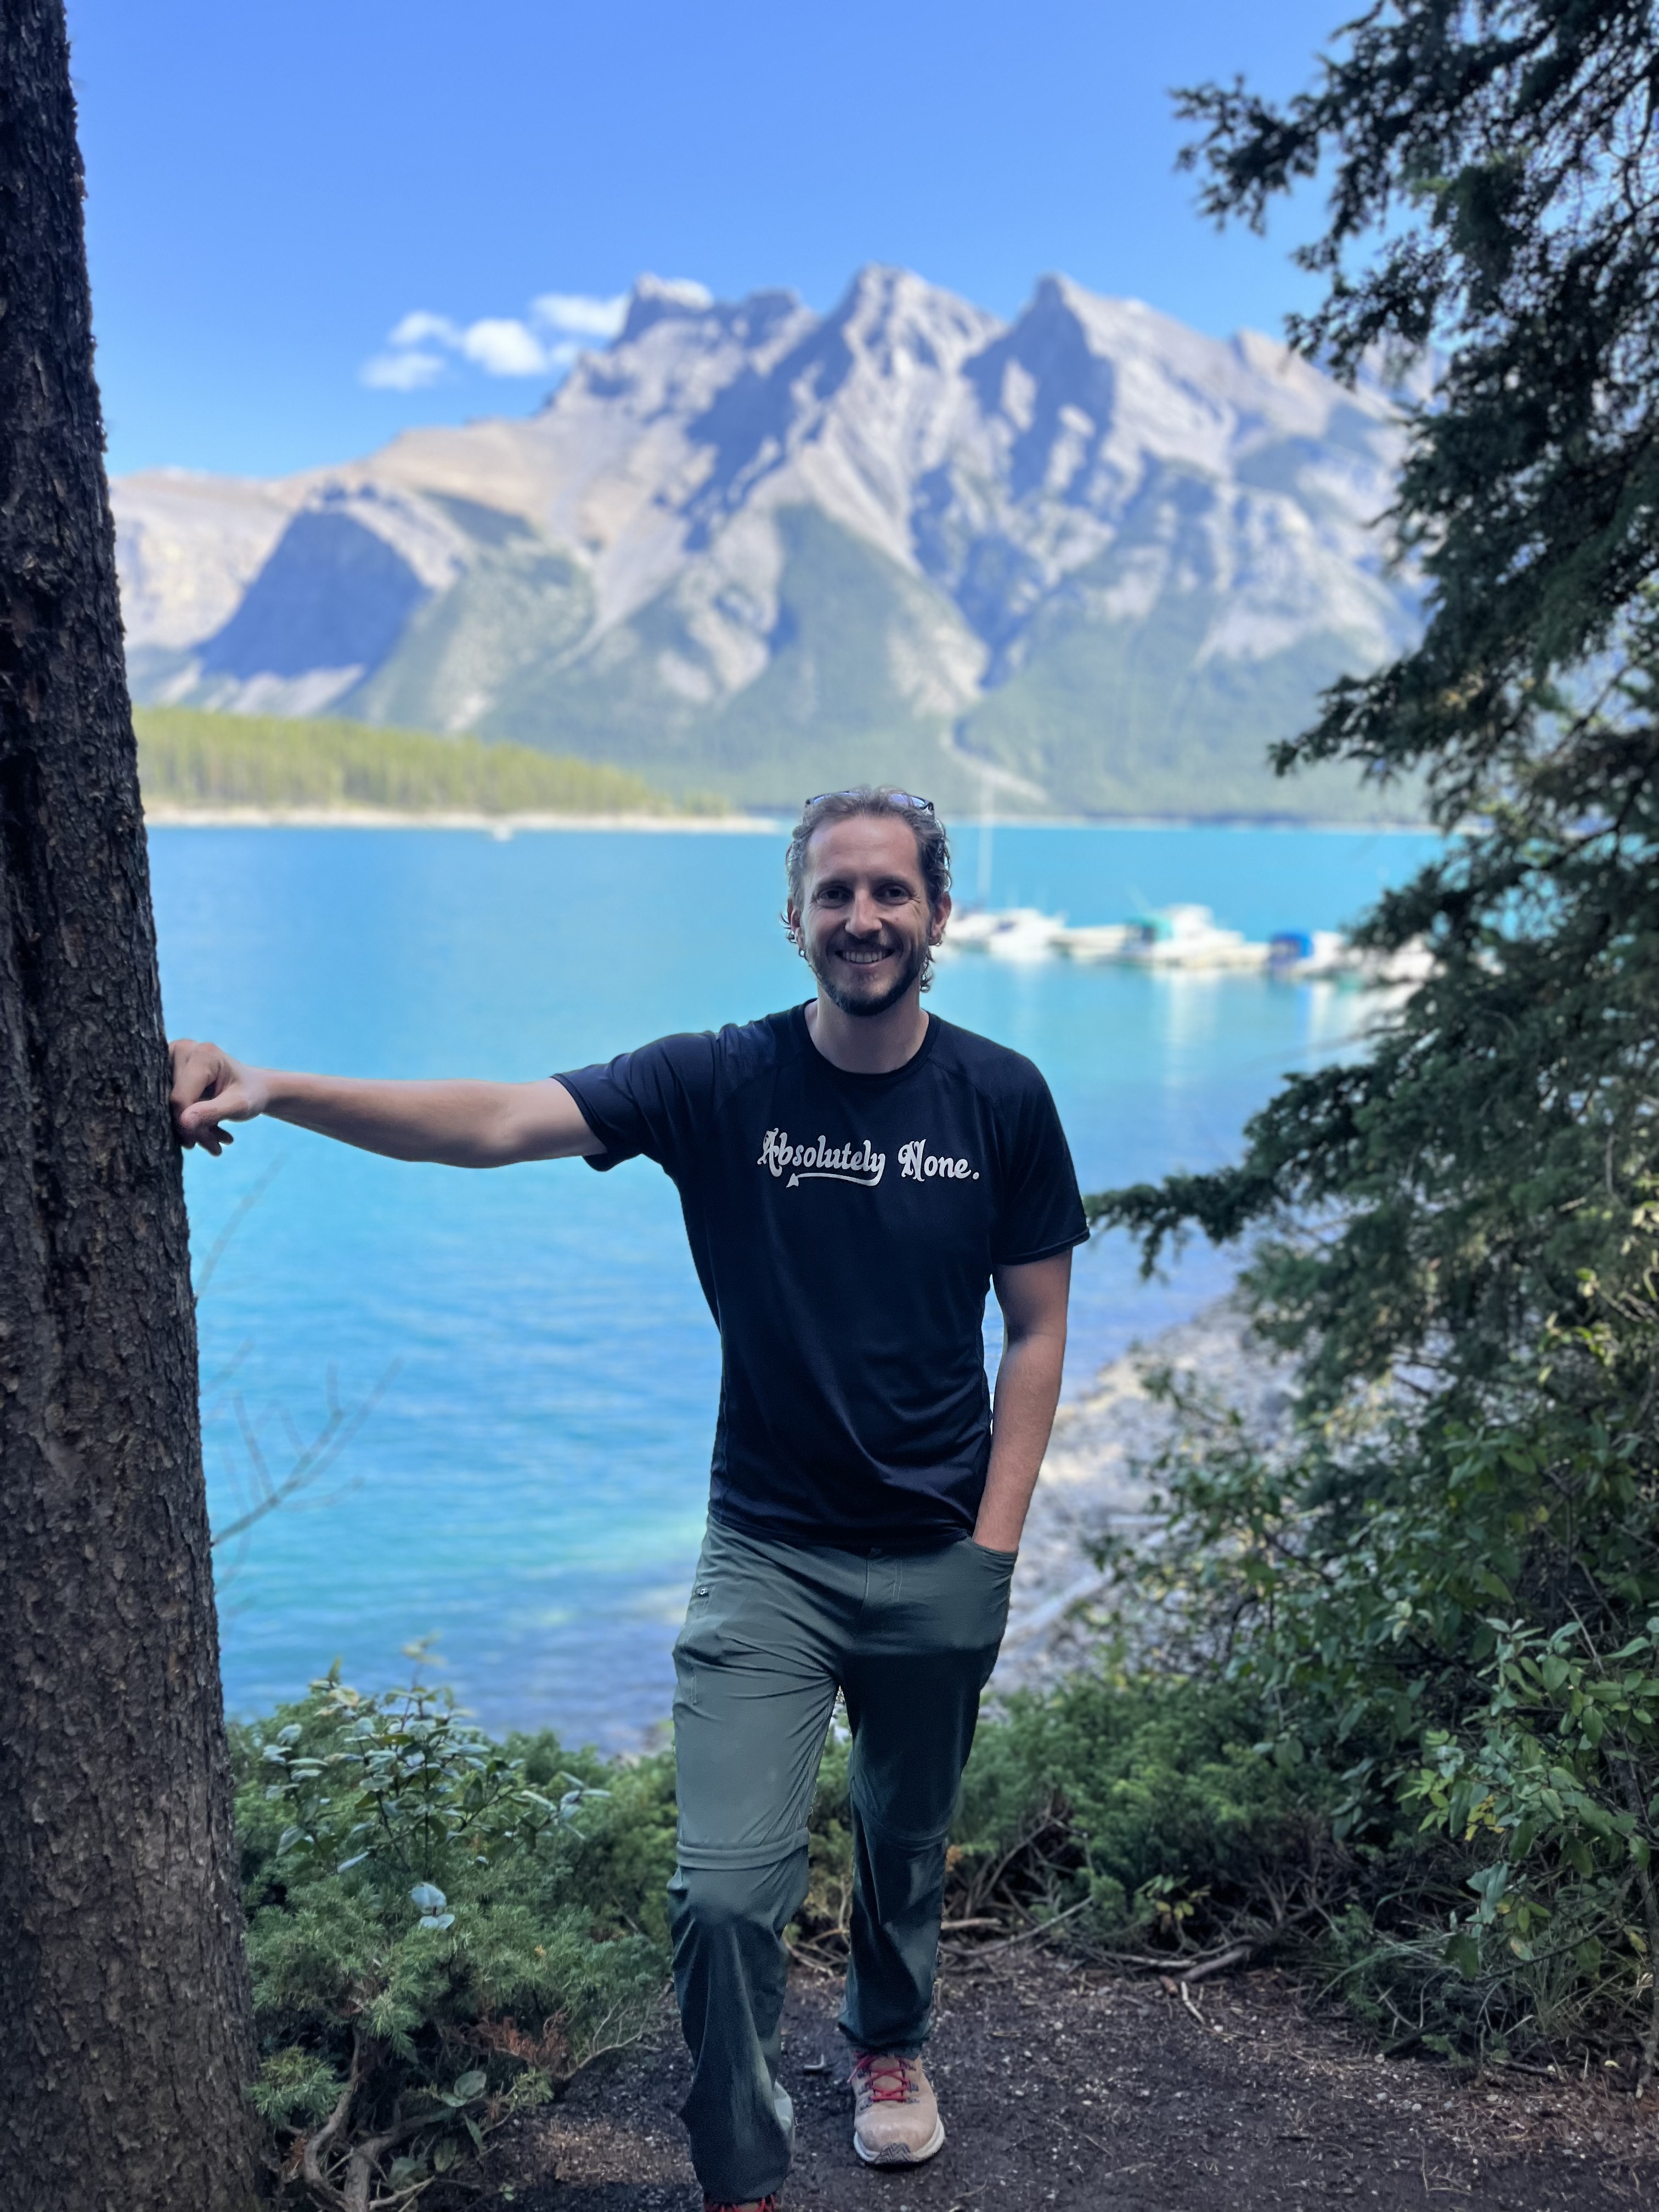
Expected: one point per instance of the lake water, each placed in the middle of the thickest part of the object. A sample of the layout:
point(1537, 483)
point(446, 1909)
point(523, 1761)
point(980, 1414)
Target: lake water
point(529, 1488)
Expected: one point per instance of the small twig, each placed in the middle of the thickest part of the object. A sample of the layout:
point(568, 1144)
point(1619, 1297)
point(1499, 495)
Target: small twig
point(239, 1214)
point(360, 2168)
point(1439, 2188)
point(313, 1462)
point(1031, 1934)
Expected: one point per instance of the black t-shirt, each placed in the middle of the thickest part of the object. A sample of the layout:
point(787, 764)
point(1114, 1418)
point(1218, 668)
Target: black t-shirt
point(844, 1229)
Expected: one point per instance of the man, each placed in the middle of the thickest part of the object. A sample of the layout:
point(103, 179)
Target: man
point(855, 1174)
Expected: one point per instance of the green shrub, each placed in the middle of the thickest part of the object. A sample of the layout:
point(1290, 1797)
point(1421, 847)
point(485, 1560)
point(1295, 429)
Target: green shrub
point(440, 1928)
point(1130, 1812)
point(1455, 1630)
point(443, 1929)
point(1150, 1812)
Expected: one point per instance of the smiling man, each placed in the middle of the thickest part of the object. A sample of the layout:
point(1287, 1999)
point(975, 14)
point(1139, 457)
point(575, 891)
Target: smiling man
point(855, 1174)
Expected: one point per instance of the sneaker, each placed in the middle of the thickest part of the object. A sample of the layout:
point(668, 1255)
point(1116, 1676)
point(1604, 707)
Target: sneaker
point(755, 2204)
point(898, 2121)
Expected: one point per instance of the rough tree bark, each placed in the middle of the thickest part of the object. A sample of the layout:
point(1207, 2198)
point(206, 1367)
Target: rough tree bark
point(125, 2022)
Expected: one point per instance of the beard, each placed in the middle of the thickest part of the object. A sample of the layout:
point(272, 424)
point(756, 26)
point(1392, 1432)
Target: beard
point(876, 1002)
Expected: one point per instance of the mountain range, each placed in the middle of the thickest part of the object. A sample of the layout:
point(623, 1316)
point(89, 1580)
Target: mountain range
point(1090, 561)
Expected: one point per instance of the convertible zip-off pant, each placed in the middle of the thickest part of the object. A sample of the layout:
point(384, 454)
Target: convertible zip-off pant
point(772, 1631)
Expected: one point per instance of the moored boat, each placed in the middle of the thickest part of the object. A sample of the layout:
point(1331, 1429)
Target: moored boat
point(1094, 941)
point(1188, 937)
point(1016, 932)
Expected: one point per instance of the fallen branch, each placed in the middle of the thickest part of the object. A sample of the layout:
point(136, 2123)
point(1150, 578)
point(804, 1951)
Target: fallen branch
point(1234, 1955)
point(1029, 1934)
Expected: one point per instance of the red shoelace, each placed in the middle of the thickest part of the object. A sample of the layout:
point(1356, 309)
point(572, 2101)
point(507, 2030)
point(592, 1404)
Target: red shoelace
point(886, 2080)
point(766, 2204)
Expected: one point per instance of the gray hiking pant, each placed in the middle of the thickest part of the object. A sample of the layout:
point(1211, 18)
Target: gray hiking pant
point(772, 1632)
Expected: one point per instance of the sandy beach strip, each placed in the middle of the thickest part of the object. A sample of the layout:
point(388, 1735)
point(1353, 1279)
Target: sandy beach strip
point(163, 815)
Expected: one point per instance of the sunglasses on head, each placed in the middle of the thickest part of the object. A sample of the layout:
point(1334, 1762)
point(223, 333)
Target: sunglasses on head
point(893, 797)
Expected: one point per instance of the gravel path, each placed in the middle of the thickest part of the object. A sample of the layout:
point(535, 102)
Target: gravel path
point(1068, 2088)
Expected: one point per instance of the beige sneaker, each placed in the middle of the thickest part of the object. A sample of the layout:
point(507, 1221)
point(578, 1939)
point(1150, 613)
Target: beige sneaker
point(898, 2121)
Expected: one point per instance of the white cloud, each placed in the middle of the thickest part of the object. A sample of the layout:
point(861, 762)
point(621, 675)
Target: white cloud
point(559, 325)
point(502, 346)
point(415, 330)
point(402, 372)
point(582, 315)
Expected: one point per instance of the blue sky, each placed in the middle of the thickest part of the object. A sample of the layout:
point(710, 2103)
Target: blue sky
point(273, 190)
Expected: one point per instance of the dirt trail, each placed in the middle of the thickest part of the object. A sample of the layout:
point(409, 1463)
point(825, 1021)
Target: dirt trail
point(1065, 2087)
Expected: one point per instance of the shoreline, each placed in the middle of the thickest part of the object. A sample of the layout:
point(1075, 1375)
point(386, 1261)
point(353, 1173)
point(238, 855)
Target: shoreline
point(501, 827)
point(1091, 1485)
point(164, 814)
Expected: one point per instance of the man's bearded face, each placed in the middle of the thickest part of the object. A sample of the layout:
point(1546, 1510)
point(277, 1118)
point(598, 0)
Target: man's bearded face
point(865, 926)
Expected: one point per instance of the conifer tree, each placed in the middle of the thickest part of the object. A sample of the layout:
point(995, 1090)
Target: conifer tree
point(1448, 1593)
point(1494, 191)
point(125, 2043)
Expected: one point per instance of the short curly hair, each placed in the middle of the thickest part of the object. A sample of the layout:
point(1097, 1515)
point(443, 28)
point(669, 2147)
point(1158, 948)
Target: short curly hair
point(880, 801)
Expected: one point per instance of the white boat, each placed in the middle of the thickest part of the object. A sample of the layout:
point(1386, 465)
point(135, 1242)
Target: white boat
point(1024, 934)
point(1307, 956)
point(1017, 933)
point(1302, 956)
point(1102, 940)
point(1187, 936)
point(969, 930)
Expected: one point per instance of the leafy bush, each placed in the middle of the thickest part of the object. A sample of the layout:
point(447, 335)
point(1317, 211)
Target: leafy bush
point(1128, 1812)
point(1455, 1630)
point(1447, 1594)
point(438, 1927)
point(1145, 1812)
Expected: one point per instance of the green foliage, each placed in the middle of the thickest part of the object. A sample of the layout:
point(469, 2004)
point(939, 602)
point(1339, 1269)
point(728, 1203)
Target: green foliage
point(1493, 170)
point(1440, 1200)
point(1435, 1623)
point(1445, 1593)
point(1149, 1810)
point(190, 758)
point(434, 1928)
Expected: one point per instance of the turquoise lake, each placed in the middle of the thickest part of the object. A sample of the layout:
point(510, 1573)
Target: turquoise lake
point(528, 1490)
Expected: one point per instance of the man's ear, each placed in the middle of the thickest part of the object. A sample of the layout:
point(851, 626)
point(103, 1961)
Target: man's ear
point(941, 916)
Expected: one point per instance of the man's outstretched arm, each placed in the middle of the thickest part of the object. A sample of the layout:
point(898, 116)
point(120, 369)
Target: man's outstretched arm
point(1033, 1299)
point(461, 1124)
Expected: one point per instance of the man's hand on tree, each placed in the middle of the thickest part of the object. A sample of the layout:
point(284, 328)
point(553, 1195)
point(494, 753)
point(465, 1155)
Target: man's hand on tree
point(209, 1089)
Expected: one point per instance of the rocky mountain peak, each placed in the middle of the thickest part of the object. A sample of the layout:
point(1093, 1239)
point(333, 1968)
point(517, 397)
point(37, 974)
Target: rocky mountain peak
point(746, 537)
point(659, 299)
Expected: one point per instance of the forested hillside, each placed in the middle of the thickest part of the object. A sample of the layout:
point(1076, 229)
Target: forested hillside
point(188, 759)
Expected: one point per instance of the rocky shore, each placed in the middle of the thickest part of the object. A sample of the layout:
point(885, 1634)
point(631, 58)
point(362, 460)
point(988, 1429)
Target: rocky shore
point(1092, 1480)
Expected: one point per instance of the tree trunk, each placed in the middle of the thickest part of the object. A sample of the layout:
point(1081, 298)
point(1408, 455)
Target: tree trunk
point(125, 2038)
